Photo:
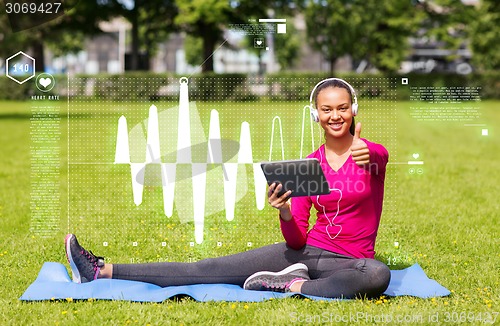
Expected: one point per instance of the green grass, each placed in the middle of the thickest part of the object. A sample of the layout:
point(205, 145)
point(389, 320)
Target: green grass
point(446, 219)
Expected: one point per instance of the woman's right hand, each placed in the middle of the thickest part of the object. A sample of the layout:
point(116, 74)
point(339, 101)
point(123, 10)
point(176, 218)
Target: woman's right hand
point(279, 202)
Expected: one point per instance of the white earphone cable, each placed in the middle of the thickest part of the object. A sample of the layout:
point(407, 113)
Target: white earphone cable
point(330, 222)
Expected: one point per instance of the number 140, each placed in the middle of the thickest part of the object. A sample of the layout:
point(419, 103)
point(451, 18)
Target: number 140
point(18, 67)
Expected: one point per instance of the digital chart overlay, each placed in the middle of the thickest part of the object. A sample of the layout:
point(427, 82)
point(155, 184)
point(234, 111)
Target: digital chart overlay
point(199, 170)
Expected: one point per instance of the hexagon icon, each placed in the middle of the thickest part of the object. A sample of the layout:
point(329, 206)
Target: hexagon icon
point(20, 67)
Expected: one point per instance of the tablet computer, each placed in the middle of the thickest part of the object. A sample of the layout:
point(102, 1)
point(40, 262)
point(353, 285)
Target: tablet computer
point(303, 177)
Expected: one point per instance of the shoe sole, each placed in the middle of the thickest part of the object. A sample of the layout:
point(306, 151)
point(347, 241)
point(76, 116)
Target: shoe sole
point(74, 270)
point(289, 269)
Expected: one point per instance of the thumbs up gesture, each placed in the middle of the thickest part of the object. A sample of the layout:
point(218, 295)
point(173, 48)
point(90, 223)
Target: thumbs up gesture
point(359, 149)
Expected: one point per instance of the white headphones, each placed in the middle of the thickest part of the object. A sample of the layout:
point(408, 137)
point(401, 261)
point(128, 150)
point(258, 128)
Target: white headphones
point(331, 222)
point(314, 110)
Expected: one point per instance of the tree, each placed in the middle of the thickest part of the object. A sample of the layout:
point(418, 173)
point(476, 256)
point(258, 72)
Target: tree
point(443, 22)
point(372, 30)
point(485, 38)
point(204, 18)
point(248, 43)
point(152, 21)
point(193, 49)
point(10, 42)
point(334, 28)
point(390, 24)
point(207, 19)
point(66, 32)
point(286, 46)
point(447, 23)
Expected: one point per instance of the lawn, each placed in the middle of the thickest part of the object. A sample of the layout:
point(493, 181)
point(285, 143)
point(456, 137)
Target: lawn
point(445, 219)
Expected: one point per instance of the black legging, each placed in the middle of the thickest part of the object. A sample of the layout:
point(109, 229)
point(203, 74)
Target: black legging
point(332, 275)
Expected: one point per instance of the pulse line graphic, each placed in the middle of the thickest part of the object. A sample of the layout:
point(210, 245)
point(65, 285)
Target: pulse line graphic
point(184, 156)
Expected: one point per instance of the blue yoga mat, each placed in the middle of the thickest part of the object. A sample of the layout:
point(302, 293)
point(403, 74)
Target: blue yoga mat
point(53, 282)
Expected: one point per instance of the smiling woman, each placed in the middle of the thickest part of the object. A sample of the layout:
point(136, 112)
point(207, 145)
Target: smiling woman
point(347, 99)
point(333, 259)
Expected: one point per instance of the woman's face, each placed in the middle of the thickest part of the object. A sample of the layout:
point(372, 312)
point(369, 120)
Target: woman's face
point(334, 110)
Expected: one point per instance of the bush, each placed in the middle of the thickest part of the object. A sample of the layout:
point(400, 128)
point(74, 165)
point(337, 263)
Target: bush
point(151, 86)
point(217, 87)
point(10, 90)
point(284, 86)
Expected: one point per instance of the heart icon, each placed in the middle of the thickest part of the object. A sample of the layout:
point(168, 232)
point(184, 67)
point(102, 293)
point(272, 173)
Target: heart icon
point(45, 82)
point(333, 230)
point(259, 42)
point(415, 155)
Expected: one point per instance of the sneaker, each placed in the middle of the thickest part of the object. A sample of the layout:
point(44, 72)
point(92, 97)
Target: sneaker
point(85, 266)
point(279, 281)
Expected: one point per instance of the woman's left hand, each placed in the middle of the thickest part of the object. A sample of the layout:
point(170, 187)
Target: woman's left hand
point(359, 149)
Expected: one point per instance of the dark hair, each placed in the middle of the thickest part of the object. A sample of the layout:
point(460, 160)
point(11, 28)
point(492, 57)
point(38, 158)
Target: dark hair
point(335, 84)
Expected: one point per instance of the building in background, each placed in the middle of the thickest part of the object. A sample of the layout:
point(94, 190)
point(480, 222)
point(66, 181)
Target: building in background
point(109, 53)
